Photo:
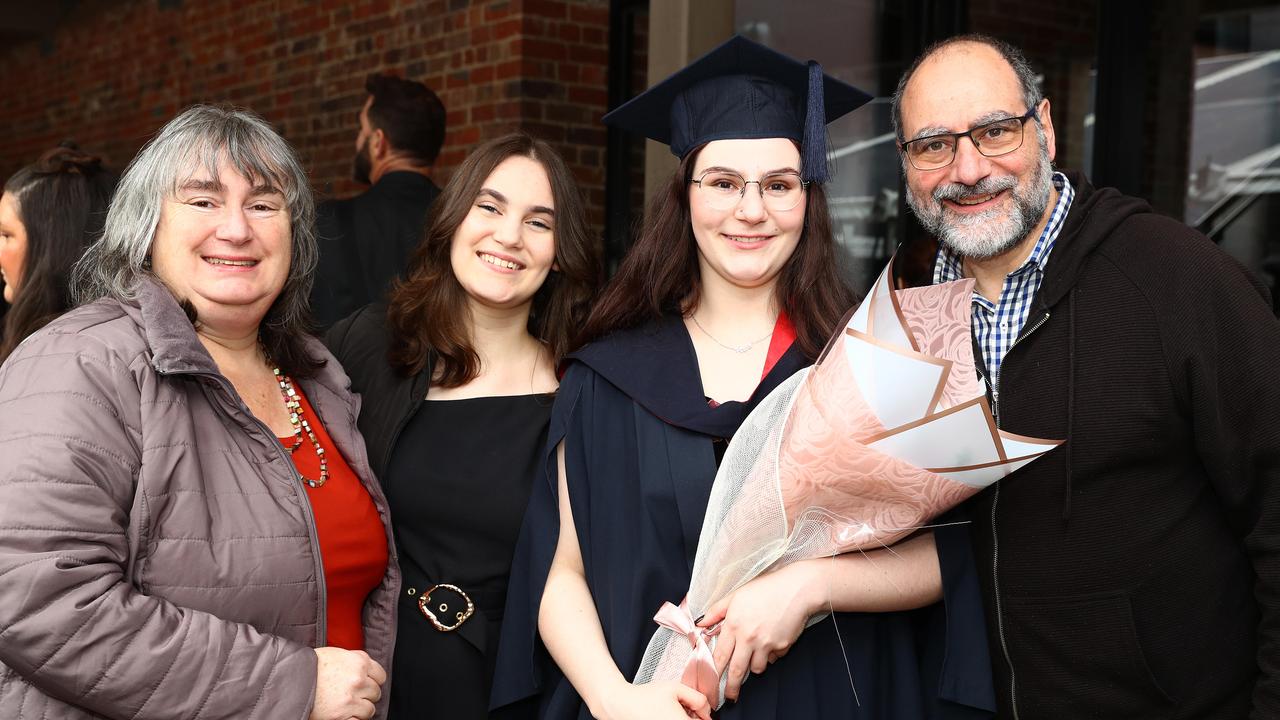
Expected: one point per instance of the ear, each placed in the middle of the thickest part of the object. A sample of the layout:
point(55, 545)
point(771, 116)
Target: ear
point(378, 145)
point(1046, 122)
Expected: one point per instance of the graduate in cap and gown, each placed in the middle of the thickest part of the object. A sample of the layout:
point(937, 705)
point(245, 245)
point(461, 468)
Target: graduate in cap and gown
point(731, 287)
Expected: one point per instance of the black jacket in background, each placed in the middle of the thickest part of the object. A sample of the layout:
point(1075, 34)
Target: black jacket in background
point(388, 399)
point(367, 241)
point(1134, 572)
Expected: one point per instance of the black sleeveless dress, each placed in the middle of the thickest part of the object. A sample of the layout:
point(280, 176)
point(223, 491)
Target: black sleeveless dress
point(458, 483)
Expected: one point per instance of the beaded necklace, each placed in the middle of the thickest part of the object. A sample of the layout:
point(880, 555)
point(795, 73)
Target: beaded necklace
point(300, 426)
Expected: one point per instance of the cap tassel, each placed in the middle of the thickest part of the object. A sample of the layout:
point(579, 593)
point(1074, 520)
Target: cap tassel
point(814, 150)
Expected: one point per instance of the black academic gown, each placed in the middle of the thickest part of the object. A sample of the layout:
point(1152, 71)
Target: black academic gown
point(640, 460)
point(365, 242)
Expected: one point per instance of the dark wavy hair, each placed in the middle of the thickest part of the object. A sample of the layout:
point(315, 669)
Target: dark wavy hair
point(659, 274)
point(428, 313)
point(62, 202)
point(410, 114)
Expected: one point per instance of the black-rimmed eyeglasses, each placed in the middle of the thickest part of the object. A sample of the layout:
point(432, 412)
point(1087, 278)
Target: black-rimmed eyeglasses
point(992, 139)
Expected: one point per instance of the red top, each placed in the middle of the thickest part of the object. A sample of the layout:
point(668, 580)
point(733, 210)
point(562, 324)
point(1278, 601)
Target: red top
point(353, 542)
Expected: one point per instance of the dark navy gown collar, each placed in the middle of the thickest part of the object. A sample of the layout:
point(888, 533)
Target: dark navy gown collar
point(656, 366)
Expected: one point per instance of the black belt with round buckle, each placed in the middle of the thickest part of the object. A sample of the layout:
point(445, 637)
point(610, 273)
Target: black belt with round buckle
point(452, 604)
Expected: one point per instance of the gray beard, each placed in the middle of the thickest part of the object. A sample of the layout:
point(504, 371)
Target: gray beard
point(987, 234)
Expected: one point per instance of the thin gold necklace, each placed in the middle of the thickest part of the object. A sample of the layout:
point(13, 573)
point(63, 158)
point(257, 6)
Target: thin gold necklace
point(740, 349)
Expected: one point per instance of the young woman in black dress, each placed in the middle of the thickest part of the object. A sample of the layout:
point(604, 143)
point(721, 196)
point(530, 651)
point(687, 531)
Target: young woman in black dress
point(457, 372)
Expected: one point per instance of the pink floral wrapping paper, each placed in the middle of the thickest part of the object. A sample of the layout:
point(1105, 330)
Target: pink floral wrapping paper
point(823, 461)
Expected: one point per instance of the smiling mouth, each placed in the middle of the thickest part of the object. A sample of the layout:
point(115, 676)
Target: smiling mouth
point(234, 263)
point(974, 199)
point(744, 239)
point(499, 262)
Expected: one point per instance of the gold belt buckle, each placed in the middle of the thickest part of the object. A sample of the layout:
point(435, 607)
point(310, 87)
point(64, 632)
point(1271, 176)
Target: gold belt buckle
point(459, 616)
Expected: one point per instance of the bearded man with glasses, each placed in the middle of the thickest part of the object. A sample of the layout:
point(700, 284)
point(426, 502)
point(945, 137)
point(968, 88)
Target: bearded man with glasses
point(1136, 572)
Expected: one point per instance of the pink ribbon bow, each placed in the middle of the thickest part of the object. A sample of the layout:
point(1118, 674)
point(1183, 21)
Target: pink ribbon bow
point(700, 672)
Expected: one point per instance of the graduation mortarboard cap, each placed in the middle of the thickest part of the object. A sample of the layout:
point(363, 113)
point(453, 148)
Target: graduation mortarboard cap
point(743, 90)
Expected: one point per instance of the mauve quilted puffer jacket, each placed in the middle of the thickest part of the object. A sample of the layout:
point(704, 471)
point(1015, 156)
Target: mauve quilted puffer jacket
point(158, 557)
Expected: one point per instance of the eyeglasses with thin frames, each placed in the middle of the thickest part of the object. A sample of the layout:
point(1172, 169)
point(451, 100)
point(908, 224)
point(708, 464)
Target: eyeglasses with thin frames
point(724, 189)
point(992, 139)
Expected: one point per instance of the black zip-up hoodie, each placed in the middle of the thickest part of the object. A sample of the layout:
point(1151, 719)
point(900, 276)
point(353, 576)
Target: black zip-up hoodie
point(1134, 572)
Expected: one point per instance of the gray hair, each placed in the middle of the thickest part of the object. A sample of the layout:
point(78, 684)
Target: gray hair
point(1027, 78)
point(201, 137)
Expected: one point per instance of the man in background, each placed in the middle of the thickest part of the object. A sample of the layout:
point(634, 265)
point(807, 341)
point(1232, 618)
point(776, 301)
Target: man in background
point(367, 241)
point(1133, 572)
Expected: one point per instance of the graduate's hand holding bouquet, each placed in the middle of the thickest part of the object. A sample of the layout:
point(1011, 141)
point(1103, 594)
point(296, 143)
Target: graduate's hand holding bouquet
point(758, 623)
point(888, 430)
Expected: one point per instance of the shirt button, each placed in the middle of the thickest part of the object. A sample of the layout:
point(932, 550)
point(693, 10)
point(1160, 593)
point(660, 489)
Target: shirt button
point(411, 591)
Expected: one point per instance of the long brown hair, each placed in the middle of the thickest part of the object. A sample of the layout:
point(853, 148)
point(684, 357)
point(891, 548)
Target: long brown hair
point(62, 201)
point(659, 274)
point(428, 311)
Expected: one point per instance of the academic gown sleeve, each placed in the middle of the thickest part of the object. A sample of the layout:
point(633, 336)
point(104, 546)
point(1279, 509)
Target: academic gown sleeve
point(523, 667)
point(612, 458)
point(955, 648)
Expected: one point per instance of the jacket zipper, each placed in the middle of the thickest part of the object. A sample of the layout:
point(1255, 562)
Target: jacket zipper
point(297, 485)
point(995, 538)
point(995, 389)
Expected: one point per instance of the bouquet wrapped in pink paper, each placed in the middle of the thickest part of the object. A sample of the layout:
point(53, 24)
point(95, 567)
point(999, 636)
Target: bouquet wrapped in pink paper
point(889, 429)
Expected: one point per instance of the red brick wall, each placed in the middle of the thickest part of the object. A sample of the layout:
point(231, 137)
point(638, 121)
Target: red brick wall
point(114, 72)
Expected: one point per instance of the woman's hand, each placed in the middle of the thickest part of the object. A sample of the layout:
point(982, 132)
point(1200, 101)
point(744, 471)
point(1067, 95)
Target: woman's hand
point(760, 622)
point(654, 701)
point(348, 684)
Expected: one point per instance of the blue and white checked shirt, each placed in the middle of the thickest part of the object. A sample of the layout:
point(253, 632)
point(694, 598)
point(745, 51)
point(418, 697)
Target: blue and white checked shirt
point(996, 325)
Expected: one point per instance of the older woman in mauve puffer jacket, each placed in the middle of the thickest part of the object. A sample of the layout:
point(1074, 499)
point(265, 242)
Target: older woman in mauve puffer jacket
point(188, 524)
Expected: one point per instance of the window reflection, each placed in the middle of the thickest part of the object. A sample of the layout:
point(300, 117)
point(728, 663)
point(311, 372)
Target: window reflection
point(1233, 189)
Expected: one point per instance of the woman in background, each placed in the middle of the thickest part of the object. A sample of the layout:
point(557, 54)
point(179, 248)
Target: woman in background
point(50, 212)
point(457, 374)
